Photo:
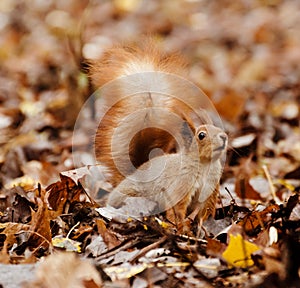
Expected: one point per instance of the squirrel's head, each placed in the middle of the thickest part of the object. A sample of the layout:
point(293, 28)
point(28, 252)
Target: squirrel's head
point(211, 141)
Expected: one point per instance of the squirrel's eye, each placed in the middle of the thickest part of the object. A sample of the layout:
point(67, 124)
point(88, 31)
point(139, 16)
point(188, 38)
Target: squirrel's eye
point(201, 135)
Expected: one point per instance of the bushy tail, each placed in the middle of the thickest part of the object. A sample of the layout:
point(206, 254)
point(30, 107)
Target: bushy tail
point(144, 98)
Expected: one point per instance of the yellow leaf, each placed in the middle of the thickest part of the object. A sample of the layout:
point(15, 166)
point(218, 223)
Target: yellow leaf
point(23, 181)
point(162, 223)
point(238, 252)
point(66, 244)
point(286, 184)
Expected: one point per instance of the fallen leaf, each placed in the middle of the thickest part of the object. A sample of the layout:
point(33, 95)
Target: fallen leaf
point(40, 225)
point(10, 230)
point(238, 252)
point(62, 193)
point(214, 247)
point(67, 244)
point(108, 237)
point(254, 221)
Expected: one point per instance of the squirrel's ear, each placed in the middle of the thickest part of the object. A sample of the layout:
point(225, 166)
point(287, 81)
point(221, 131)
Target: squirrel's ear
point(187, 135)
point(198, 117)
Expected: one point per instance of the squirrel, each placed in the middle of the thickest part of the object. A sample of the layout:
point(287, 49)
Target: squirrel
point(154, 137)
point(175, 180)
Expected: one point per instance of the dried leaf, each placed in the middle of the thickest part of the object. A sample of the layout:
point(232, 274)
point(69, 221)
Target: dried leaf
point(253, 222)
point(40, 226)
point(108, 237)
point(10, 231)
point(61, 193)
point(214, 247)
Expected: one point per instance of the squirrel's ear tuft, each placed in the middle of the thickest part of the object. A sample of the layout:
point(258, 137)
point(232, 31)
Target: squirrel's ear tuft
point(198, 117)
point(187, 135)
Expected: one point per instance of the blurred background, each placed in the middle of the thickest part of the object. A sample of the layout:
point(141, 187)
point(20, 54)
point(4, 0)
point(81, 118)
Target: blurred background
point(244, 54)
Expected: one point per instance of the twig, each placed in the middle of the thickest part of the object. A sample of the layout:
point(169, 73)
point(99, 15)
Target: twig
point(271, 186)
point(185, 237)
point(144, 250)
point(116, 250)
point(71, 230)
point(227, 190)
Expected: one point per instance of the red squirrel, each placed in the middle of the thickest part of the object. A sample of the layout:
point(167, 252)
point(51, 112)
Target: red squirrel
point(148, 107)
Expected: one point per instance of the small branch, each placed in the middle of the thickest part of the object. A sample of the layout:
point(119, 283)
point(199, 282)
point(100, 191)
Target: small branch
point(271, 186)
point(116, 250)
point(144, 250)
point(71, 230)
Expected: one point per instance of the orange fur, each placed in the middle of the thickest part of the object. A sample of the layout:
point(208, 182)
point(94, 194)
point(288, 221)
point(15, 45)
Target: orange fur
point(115, 61)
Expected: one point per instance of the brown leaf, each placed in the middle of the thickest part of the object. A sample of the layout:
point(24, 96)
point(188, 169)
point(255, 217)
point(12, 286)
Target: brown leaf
point(214, 247)
point(10, 231)
point(40, 226)
point(81, 231)
point(256, 220)
point(244, 189)
point(63, 193)
point(108, 237)
point(243, 173)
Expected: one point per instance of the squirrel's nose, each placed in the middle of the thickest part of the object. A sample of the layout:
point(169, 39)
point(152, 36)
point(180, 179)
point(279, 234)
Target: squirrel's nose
point(223, 137)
